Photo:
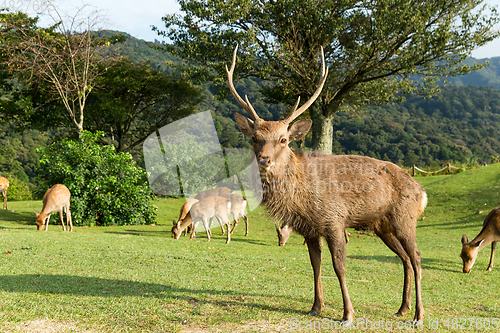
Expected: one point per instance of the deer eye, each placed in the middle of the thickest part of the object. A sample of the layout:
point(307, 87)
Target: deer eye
point(254, 139)
point(283, 141)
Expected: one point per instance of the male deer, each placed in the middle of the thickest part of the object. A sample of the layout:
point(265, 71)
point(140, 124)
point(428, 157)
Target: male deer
point(4, 185)
point(321, 195)
point(203, 210)
point(489, 234)
point(56, 198)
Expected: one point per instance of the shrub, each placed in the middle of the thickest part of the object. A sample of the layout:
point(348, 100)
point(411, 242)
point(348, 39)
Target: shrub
point(107, 188)
point(18, 190)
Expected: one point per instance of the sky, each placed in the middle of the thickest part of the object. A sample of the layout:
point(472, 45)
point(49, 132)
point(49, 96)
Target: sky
point(137, 16)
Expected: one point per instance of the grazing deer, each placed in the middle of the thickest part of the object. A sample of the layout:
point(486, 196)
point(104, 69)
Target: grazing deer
point(56, 198)
point(321, 195)
point(184, 211)
point(203, 210)
point(4, 185)
point(489, 234)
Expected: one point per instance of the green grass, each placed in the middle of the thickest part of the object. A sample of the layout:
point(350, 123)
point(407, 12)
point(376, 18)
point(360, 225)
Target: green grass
point(138, 279)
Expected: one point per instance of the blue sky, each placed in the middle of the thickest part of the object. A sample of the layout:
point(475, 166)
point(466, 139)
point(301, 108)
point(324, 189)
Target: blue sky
point(136, 17)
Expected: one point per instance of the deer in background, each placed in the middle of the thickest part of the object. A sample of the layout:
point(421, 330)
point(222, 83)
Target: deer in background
point(321, 195)
point(218, 191)
point(285, 230)
point(184, 211)
point(489, 234)
point(203, 210)
point(57, 198)
point(4, 185)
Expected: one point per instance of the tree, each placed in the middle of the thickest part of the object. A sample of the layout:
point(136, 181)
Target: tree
point(134, 100)
point(375, 49)
point(65, 55)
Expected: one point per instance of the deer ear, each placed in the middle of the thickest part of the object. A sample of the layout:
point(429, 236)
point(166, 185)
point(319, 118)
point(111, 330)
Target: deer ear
point(245, 124)
point(36, 214)
point(299, 129)
point(464, 239)
point(175, 223)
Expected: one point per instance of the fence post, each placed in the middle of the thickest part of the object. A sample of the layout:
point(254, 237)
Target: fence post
point(449, 168)
point(413, 170)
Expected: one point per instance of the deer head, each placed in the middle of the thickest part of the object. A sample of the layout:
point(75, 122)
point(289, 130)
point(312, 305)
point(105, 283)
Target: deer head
point(469, 253)
point(271, 138)
point(283, 233)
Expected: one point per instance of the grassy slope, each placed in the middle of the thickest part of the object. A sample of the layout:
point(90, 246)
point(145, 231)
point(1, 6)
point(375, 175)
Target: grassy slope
point(137, 278)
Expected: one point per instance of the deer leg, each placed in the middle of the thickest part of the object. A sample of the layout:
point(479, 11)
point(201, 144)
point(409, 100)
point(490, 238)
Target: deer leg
point(207, 228)
point(410, 245)
point(493, 247)
point(4, 194)
point(236, 221)
point(193, 228)
point(47, 223)
point(61, 217)
point(246, 224)
point(314, 247)
point(69, 220)
point(221, 225)
point(393, 243)
point(337, 246)
point(228, 223)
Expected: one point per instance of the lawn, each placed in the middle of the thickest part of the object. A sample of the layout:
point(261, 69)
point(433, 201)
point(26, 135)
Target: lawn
point(139, 279)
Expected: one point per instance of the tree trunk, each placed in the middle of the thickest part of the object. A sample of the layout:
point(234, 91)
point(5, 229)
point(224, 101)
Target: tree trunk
point(322, 130)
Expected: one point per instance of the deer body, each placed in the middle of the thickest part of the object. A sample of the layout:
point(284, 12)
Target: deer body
point(203, 210)
point(57, 198)
point(319, 196)
point(4, 185)
point(218, 191)
point(489, 234)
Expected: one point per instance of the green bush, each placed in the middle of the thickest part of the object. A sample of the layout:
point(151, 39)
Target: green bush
point(107, 188)
point(18, 190)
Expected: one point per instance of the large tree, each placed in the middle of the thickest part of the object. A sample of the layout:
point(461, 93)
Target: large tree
point(375, 49)
point(62, 58)
point(137, 101)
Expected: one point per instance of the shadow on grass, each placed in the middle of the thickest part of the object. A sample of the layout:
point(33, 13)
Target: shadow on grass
point(17, 217)
point(427, 263)
point(92, 286)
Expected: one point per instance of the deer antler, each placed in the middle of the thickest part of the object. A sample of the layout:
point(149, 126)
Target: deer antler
point(297, 112)
point(246, 105)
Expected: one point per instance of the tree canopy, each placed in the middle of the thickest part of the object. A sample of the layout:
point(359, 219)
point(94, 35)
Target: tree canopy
point(374, 49)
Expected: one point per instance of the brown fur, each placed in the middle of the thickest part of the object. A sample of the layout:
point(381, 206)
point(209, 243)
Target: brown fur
point(57, 198)
point(319, 196)
point(218, 191)
point(4, 185)
point(489, 234)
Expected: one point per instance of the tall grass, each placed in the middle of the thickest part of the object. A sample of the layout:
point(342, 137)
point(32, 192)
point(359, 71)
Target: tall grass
point(139, 279)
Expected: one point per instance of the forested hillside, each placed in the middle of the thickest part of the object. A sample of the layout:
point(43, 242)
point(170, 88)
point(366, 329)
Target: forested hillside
point(461, 124)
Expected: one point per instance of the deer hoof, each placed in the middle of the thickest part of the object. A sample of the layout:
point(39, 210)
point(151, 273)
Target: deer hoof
point(312, 313)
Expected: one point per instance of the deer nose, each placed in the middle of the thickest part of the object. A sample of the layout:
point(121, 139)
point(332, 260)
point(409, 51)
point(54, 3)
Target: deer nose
point(264, 161)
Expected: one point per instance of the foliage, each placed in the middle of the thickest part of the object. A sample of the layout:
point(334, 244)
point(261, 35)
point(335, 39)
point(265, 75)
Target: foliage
point(373, 49)
point(460, 126)
point(107, 188)
point(134, 100)
point(64, 56)
point(18, 189)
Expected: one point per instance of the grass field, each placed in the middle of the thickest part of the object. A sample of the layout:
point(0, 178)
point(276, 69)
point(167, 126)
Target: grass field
point(138, 279)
